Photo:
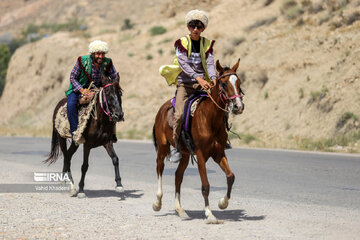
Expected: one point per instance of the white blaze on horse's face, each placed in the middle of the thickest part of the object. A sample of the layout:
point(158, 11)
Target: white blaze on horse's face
point(238, 106)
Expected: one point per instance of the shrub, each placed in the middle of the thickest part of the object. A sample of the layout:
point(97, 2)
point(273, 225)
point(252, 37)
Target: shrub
point(149, 57)
point(344, 118)
point(286, 4)
point(353, 17)
point(4, 62)
point(268, 2)
point(262, 22)
point(318, 95)
point(266, 95)
point(127, 24)
point(293, 12)
point(316, 7)
point(305, 3)
point(247, 138)
point(301, 93)
point(237, 41)
point(157, 30)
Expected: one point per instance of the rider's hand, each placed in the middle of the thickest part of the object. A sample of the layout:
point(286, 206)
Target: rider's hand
point(85, 91)
point(203, 83)
point(213, 82)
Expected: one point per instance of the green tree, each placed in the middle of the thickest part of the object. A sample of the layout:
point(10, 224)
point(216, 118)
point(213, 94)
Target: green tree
point(4, 62)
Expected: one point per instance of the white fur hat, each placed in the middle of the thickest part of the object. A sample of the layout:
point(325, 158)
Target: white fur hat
point(197, 15)
point(98, 46)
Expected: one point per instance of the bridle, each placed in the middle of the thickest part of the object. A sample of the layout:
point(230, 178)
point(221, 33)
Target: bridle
point(102, 98)
point(223, 96)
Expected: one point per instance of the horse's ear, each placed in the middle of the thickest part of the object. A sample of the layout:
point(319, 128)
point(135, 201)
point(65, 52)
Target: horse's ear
point(117, 78)
point(235, 67)
point(219, 68)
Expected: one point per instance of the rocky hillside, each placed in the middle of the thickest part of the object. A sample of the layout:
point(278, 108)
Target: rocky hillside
point(299, 64)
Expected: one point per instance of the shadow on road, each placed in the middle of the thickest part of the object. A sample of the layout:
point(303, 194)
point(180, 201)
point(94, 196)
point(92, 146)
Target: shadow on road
point(227, 215)
point(112, 193)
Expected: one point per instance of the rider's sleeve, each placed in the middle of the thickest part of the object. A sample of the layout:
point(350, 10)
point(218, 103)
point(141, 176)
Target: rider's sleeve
point(211, 66)
point(74, 75)
point(112, 72)
point(184, 64)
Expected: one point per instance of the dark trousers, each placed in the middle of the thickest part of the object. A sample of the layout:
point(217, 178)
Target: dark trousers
point(72, 111)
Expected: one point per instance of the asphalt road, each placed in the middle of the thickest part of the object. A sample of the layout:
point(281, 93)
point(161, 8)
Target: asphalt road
point(301, 177)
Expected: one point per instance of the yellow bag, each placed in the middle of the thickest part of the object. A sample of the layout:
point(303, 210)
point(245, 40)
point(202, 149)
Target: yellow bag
point(171, 72)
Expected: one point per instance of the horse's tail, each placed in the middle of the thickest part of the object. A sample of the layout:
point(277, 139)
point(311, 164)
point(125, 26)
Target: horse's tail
point(54, 151)
point(154, 138)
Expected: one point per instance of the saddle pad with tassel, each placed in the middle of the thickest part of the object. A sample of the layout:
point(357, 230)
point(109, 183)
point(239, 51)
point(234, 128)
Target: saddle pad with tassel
point(62, 124)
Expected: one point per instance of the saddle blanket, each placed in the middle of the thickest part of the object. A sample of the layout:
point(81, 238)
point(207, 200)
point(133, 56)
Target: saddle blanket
point(62, 124)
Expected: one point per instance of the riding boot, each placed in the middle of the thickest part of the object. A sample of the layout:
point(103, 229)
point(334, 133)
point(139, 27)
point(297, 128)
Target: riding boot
point(228, 145)
point(175, 154)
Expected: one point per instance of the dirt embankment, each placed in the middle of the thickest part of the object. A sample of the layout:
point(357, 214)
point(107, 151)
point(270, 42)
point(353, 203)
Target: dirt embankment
point(301, 75)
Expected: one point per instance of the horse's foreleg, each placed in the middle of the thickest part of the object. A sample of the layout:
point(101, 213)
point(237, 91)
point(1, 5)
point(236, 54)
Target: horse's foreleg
point(205, 189)
point(110, 150)
point(84, 169)
point(223, 163)
point(68, 153)
point(179, 174)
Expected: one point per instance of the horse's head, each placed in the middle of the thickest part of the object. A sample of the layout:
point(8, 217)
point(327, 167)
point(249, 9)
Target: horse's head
point(110, 98)
point(229, 85)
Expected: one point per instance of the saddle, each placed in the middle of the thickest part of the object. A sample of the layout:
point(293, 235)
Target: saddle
point(62, 124)
point(189, 110)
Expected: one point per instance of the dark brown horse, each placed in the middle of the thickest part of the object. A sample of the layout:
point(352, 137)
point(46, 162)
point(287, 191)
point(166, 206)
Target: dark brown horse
point(209, 136)
point(100, 131)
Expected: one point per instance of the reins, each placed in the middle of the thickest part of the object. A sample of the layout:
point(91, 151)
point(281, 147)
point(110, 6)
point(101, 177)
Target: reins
point(102, 97)
point(209, 94)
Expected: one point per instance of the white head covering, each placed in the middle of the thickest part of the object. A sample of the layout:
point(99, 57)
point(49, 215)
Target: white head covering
point(197, 15)
point(98, 46)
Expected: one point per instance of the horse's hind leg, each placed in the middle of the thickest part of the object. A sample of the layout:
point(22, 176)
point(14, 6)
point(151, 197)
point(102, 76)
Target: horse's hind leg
point(110, 150)
point(230, 177)
point(179, 174)
point(161, 154)
point(84, 169)
point(68, 153)
point(205, 188)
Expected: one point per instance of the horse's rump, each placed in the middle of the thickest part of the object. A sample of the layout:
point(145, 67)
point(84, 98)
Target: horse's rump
point(62, 125)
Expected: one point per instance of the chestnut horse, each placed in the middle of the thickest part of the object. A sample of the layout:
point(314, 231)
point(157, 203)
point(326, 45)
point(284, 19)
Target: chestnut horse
point(100, 131)
point(209, 137)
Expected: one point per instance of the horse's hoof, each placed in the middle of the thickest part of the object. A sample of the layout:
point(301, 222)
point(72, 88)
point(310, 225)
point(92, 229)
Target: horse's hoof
point(213, 220)
point(156, 207)
point(81, 195)
point(119, 189)
point(73, 192)
point(223, 203)
point(181, 212)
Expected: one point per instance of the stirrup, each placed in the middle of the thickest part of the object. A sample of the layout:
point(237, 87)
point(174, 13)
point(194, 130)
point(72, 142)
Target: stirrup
point(228, 145)
point(174, 156)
